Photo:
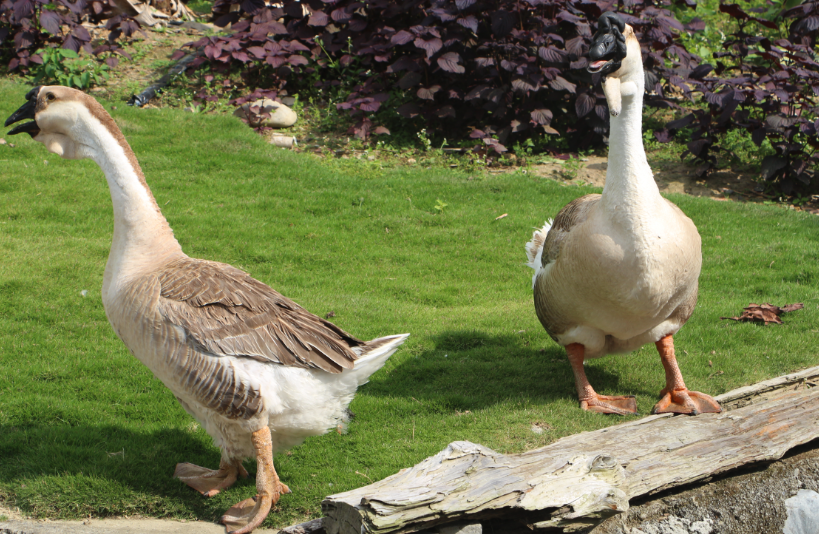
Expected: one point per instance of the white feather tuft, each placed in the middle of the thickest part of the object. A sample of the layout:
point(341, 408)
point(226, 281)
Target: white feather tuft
point(372, 360)
point(534, 249)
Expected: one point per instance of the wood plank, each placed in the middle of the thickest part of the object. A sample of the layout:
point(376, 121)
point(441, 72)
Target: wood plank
point(581, 479)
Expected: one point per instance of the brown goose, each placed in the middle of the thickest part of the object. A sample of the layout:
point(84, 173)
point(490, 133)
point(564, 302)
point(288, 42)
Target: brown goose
point(619, 270)
point(240, 358)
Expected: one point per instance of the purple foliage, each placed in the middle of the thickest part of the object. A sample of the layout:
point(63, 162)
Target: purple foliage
point(36, 24)
point(512, 67)
point(765, 86)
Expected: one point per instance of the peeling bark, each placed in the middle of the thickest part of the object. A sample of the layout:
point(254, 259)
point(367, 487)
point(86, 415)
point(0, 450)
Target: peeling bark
point(580, 480)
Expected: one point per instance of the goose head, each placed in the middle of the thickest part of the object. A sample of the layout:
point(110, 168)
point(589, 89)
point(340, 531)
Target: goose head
point(61, 118)
point(610, 46)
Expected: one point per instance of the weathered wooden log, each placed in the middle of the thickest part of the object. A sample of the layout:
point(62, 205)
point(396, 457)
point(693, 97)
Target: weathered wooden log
point(579, 480)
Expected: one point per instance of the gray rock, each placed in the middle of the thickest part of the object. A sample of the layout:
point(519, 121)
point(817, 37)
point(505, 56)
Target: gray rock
point(282, 140)
point(281, 116)
point(675, 525)
point(803, 513)
point(461, 528)
point(754, 502)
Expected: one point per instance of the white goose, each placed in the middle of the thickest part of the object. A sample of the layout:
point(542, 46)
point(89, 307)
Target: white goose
point(619, 270)
point(240, 358)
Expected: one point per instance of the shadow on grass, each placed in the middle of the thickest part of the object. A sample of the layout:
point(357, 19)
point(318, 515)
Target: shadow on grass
point(469, 370)
point(63, 471)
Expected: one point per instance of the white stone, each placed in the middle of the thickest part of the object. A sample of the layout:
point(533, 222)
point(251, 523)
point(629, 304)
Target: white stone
point(282, 140)
point(281, 116)
point(471, 528)
point(676, 525)
point(803, 513)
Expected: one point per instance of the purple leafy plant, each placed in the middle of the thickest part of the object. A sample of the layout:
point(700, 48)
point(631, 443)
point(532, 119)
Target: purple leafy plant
point(27, 26)
point(502, 70)
point(763, 83)
point(510, 70)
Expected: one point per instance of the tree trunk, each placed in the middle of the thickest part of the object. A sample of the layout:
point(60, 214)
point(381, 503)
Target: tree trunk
point(580, 480)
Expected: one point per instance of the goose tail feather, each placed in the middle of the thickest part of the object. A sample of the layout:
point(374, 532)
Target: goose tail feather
point(534, 249)
point(373, 355)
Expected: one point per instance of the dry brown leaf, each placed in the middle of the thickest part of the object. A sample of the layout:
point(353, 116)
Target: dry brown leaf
point(765, 313)
point(501, 216)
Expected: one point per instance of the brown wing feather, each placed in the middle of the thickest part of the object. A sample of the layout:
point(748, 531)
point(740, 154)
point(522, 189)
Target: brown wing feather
point(570, 216)
point(227, 312)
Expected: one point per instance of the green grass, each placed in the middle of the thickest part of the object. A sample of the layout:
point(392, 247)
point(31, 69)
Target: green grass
point(86, 429)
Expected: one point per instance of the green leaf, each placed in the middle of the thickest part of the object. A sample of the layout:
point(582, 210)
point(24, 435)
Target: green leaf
point(68, 53)
point(77, 81)
point(787, 4)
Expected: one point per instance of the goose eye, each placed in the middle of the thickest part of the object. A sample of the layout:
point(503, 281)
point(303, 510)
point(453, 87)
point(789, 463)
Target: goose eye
point(50, 97)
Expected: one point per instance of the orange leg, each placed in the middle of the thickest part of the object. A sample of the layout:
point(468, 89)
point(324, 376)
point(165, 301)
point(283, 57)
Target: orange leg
point(589, 400)
point(245, 516)
point(207, 481)
point(676, 398)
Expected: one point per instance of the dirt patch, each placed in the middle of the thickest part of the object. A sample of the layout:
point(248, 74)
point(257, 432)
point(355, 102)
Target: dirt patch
point(151, 59)
point(671, 177)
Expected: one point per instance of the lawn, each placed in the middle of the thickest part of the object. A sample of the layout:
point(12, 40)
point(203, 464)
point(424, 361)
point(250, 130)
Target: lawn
point(85, 429)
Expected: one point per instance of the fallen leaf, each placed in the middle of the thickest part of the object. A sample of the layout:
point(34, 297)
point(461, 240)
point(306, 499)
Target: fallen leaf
point(330, 314)
point(2, 141)
point(712, 375)
point(501, 216)
point(765, 313)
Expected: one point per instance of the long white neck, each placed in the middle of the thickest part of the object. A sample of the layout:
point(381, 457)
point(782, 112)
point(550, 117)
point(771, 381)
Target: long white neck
point(630, 191)
point(142, 237)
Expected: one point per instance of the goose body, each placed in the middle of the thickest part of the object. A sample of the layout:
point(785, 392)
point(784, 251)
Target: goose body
point(258, 371)
point(619, 270)
point(236, 354)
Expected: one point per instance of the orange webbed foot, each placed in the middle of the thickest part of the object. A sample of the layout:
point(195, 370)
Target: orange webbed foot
point(210, 482)
point(245, 516)
point(616, 405)
point(685, 401)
